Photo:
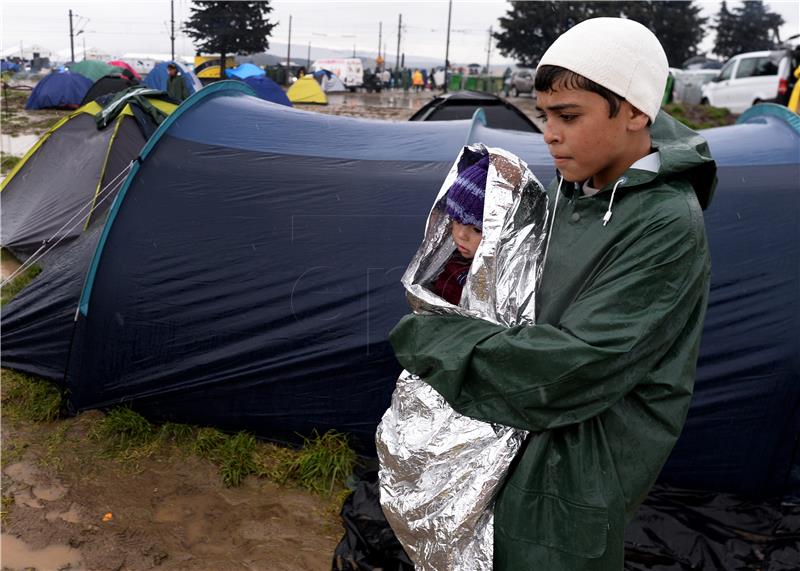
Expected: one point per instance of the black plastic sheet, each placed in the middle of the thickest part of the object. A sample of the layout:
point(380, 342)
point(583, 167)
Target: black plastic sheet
point(369, 543)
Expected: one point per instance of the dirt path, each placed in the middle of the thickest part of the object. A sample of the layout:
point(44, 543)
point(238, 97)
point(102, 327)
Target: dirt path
point(70, 507)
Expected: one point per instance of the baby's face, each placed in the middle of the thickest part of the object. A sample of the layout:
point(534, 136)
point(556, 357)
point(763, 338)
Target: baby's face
point(467, 239)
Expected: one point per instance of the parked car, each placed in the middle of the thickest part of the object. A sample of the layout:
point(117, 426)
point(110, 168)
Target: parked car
point(750, 78)
point(522, 81)
point(688, 87)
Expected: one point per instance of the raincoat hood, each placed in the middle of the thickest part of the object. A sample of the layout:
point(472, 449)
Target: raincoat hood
point(684, 153)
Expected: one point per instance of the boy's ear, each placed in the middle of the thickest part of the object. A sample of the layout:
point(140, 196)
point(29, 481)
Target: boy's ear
point(636, 119)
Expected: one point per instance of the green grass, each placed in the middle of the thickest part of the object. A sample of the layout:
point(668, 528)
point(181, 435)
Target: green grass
point(8, 162)
point(321, 465)
point(700, 116)
point(10, 290)
point(323, 462)
point(236, 459)
point(27, 398)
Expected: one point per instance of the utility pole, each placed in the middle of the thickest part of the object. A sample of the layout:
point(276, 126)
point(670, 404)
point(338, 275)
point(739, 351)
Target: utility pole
point(308, 59)
point(399, 28)
point(71, 39)
point(380, 37)
point(354, 50)
point(172, 26)
point(447, 49)
point(289, 54)
point(489, 51)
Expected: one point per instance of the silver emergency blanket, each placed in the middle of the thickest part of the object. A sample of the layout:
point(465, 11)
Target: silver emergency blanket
point(440, 470)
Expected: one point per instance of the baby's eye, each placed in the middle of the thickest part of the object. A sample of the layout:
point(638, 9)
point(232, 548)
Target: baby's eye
point(568, 118)
point(541, 117)
point(477, 230)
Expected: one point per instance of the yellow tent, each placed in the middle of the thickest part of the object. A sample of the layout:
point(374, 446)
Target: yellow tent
point(306, 90)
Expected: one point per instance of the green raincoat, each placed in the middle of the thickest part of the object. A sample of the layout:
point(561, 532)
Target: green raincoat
point(176, 88)
point(604, 380)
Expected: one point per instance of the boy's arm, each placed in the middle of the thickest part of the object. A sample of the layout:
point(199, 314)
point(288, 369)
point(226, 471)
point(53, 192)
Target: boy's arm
point(543, 376)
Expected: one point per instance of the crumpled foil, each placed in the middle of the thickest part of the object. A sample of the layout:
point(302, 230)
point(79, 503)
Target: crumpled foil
point(439, 470)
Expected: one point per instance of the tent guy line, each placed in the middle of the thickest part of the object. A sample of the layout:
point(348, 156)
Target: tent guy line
point(107, 191)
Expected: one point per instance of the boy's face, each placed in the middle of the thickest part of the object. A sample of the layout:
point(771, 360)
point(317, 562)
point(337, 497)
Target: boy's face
point(583, 140)
point(467, 239)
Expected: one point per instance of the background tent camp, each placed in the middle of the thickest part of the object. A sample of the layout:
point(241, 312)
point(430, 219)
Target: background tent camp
point(290, 333)
point(268, 90)
point(157, 78)
point(59, 90)
point(500, 114)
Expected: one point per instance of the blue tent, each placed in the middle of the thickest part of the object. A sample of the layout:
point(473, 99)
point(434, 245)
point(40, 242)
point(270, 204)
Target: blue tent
point(59, 90)
point(9, 66)
point(267, 89)
point(269, 244)
point(157, 78)
point(244, 71)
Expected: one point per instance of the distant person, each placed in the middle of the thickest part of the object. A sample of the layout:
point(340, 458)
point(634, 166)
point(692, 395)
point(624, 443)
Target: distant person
point(176, 88)
point(432, 76)
point(417, 81)
point(507, 81)
point(386, 78)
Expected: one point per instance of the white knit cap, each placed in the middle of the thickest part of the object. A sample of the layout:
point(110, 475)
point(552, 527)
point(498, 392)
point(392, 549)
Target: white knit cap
point(621, 55)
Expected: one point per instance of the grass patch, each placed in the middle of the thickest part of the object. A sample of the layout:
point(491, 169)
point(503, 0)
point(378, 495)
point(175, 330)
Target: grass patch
point(53, 446)
point(236, 459)
point(7, 501)
point(27, 398)
point(323, 462)
point(700, 116)
point(8, 162)
point(321, 465)
point(10, 290)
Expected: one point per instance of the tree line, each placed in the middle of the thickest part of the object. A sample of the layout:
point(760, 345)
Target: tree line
point(528, 28)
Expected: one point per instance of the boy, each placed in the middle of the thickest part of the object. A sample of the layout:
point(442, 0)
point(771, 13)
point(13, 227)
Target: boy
point(465, 207)
point(604, 380)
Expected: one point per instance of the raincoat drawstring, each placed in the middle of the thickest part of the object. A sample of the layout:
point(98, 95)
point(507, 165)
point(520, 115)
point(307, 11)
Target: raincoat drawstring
point(607, 216)
point(552, 223)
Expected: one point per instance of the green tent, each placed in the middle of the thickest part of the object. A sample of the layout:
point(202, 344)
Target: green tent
point(92, 69)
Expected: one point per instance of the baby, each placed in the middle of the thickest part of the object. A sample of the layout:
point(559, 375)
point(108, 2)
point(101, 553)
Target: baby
point(465, 206)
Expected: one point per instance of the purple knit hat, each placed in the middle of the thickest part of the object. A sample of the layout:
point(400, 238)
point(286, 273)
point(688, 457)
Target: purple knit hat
point(465, 197)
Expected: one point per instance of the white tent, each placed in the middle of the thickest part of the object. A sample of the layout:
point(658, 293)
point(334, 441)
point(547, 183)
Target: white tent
point(331, 83)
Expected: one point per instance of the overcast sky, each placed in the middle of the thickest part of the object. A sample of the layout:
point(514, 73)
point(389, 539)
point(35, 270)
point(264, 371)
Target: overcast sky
point(143, 25)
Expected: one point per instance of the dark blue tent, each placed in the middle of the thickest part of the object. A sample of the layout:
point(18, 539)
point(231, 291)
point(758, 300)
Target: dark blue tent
point(268, 90)
point(268, 248)
point(59, 90)
point(157, 78)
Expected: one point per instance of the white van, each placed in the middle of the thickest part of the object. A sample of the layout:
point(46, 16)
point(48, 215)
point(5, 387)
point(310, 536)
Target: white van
point(749, 78)
point(349, 70)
